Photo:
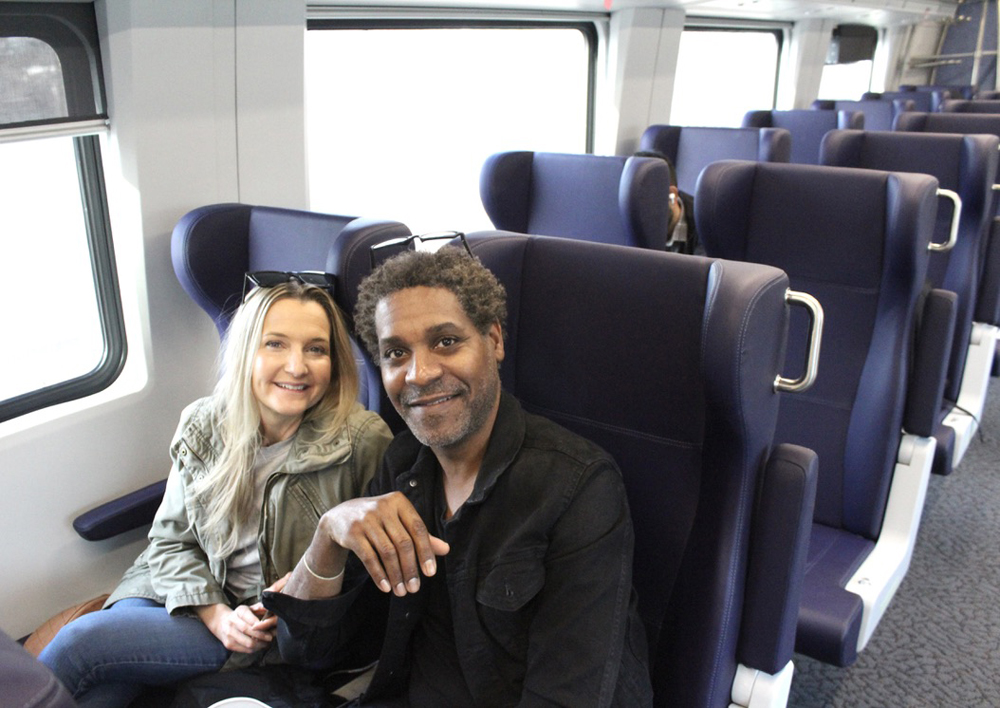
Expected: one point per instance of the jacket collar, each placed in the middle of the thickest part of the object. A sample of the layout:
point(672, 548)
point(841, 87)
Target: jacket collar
point(407, 458)
point(309, 451)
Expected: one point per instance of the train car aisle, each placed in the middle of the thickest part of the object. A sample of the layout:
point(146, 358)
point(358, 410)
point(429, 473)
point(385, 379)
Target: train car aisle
point(939, 643)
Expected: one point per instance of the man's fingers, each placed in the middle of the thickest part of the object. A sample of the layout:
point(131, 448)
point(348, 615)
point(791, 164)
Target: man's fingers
point(387, 534)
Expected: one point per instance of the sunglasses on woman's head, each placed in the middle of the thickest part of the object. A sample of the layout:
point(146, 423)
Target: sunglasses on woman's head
point(270, 278)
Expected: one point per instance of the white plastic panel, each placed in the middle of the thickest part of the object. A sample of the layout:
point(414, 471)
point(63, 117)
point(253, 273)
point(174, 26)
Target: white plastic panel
point(965, 416)
point(753, 688)
point(878, 578)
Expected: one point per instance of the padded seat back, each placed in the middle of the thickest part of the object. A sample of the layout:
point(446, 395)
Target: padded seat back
point(988, 302)
point(921, 100)
point(691, 148)
point(807, 128)
point(615, 200)
point(213, 246)
point(970, 106)
point(965, 164)
point(690, 433)
point(857, 241)
point(878, 114)
point(963, 91)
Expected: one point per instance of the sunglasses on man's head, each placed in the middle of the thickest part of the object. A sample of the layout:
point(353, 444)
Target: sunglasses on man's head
point(270, 278)
point(381, 252)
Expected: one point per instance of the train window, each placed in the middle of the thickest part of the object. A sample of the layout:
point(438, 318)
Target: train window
point(406, 139)
point(723, 73)
point(60, 287)
point(848, 70)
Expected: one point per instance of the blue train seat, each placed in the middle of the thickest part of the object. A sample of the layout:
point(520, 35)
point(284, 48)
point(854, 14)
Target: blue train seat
point(988, 300)
point(970, 106)
point(857, 241)
point(691, 148)
point(966, 165)
point(614, 200)
point(963, 91)
point(721, 516)
point(924, 101)
point(212, 247)
point(807, 128)
point(879, 114)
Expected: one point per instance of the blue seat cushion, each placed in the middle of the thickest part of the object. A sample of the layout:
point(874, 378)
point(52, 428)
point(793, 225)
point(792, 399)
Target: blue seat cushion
point(830, 616)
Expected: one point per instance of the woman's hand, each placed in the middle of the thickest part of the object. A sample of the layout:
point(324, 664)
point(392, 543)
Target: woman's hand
point(239, 630)
point(266, 622)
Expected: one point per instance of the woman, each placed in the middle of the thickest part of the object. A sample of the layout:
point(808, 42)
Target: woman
point(281, 440)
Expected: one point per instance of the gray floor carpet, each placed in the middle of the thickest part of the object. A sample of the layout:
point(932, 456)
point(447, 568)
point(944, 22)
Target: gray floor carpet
point(939, 642)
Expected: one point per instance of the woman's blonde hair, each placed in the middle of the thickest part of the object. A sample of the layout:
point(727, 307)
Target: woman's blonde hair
point(227, 490)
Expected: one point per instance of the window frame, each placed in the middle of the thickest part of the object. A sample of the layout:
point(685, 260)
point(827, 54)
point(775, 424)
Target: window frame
point(71, 31)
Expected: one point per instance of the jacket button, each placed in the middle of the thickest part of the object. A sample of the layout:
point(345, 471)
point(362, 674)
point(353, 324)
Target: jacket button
point(183, 451)
point(413, 483)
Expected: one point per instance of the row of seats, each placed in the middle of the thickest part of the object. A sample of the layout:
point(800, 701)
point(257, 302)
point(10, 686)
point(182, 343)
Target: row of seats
point(846, 419)
point(972, 269)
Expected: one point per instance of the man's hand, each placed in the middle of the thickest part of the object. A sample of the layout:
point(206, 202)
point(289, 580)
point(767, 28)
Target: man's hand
point(387, 534)
point(238, 630)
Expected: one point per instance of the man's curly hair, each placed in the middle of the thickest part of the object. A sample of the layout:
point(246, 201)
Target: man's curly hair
point(481, 295)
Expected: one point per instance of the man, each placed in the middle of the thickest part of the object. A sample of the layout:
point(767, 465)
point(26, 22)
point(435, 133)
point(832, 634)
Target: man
point(490, 564)
point(682, 237)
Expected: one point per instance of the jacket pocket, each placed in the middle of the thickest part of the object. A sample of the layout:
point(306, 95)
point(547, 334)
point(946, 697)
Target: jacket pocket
point(508, 586)
point(505, 602)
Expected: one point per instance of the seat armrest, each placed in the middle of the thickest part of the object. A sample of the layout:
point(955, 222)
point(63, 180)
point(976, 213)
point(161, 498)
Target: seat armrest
point(122, 514)
point(779, 544)
point(931, 353)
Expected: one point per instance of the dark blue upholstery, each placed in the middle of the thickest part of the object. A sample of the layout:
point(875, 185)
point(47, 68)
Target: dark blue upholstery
point(966, 165)
point(970, 106)
point(857, 241)
point(988, 299)
point(691, 148)
point(807, 128)
point(925, 101)
point(26, 682)
point(614, 200)
point(689, 433)
point(879, 114)
point(965, 91)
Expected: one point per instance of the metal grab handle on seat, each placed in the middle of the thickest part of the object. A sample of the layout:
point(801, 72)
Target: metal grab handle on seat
point(956, 215)
point(793, 297)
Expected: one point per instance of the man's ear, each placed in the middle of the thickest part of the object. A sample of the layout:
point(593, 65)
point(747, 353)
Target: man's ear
point(495, 334)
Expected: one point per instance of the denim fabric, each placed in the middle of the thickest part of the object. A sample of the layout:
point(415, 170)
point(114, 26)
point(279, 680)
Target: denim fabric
point(539, 574)
point(106, 658)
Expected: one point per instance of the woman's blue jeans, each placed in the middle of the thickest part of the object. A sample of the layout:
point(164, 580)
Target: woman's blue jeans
point(107, 658)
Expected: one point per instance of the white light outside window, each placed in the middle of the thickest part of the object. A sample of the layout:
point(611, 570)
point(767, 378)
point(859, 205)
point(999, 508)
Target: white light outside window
point(722, 74)
point(845, 82)
point(48, 292)
point(400, 121)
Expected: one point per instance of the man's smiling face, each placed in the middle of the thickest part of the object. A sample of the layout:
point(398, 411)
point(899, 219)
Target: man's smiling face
point(439, 371)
